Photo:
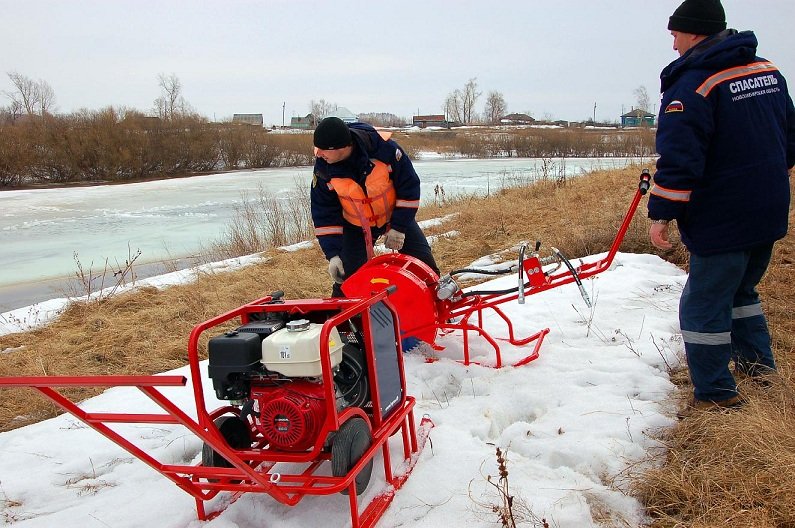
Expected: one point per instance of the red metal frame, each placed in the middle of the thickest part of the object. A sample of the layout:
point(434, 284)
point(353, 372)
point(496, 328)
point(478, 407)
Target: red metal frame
point(431, 317)
point(253, 468)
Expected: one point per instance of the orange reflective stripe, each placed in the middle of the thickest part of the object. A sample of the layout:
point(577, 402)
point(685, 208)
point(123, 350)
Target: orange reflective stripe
point(733, 73)
point(328, 230)
point(671, 194)
point(412, 204)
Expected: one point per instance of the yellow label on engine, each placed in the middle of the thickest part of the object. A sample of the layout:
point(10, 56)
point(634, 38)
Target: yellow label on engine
point(378, 280)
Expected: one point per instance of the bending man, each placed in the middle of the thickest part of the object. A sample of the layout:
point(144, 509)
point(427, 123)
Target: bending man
point(364, 186)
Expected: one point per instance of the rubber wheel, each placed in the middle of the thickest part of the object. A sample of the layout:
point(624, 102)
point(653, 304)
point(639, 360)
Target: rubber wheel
point(236, 433)
point(350, 443)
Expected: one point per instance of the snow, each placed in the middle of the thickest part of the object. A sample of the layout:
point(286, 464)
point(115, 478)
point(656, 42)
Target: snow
point(39, 314)
point(571, 421)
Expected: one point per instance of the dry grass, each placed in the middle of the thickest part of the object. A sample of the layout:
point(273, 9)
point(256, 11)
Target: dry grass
point(737, 468)
point(729, 469)
point(733, 469)
point(486, 142)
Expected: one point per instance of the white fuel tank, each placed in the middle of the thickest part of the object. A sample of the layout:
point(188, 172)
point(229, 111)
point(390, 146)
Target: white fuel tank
point(295, 350)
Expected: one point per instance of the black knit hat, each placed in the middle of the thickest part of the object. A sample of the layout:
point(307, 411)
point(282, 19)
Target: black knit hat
point(332, 133)
point(698, 17)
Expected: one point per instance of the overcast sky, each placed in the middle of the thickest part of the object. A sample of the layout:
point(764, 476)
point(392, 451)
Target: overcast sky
point(548, 58)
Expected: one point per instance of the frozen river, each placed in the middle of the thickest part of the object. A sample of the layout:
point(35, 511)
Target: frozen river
point(41, 230)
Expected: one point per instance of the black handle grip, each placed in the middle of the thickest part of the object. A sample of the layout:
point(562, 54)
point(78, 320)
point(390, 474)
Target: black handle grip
point(645, 181)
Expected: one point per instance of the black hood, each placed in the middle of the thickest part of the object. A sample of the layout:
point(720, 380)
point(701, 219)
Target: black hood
point(721, 51)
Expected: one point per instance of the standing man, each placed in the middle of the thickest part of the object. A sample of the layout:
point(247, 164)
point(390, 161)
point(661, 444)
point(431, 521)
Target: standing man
point(726, 139)
point(364, 186)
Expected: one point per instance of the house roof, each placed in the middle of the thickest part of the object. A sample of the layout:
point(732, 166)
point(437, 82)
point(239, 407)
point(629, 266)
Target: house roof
point(637, 112)
point(251, 119)
point(343, 113)
point(433, 117)
point(517, 117)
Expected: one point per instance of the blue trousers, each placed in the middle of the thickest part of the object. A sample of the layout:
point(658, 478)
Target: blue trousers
point(721, 318)
point(354, 251)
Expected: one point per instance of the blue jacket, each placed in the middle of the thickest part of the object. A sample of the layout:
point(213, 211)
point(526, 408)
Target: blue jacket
point(367, 145)
point(726, 138)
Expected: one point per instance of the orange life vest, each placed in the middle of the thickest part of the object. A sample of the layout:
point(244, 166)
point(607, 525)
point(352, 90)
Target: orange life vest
point(373, 208)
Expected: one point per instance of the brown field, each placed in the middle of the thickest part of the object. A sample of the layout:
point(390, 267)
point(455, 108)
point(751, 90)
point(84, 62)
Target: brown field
point(720, 469)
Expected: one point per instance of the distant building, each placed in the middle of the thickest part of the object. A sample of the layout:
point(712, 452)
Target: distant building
point(636, 118)
point(344, 114)
point(436, 120)
point(517, 119)
point(307, 122)
point(248, 119)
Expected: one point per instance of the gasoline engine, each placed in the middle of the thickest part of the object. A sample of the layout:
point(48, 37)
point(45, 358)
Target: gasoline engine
point(271, 369)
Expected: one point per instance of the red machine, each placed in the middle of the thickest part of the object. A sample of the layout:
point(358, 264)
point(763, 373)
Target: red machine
point(431, 306)
point(317, 381)
point(307, 382)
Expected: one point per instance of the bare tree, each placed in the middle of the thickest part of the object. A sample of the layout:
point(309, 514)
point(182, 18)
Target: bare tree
point(495, 107)
point(382, 119)
point(24, 96)
point(470, 97)
point(460, 105)
point(11, 112)
point(171, 103)
point(45, 97)
point(29, 96)
point(642, 98)
point(321, 109)
point(452, 107)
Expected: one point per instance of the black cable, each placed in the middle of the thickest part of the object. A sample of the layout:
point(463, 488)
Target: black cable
point(482, 272)
point(576, 276)
point(494, 292)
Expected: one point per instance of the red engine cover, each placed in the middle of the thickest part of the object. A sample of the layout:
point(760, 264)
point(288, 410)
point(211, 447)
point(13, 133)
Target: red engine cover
point(290, 416)
point(415, 298)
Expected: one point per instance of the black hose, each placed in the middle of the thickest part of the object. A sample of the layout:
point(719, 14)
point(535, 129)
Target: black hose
point(494, 292)
point(576, 276)
point(482, 272)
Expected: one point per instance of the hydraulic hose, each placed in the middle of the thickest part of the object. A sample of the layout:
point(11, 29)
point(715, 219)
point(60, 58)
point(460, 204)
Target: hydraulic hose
point(494, 292)
point(574, 274)
point(482, 272)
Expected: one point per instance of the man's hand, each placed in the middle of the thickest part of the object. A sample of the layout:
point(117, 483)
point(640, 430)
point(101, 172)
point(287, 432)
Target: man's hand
point(658, 234)
point(336, 270)
point(394, 240)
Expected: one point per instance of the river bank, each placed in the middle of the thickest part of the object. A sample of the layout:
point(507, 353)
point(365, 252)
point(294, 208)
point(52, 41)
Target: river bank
point(29, 293)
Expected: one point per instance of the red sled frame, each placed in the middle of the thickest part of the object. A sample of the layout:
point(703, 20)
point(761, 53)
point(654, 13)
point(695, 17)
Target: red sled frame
point(251, 469)
point(431, 316)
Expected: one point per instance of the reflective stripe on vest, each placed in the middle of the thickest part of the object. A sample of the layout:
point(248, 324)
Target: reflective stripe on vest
point(328, 230)
point(671, 194)
point(374, 208)
point(733, 73)
point(408, 204)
